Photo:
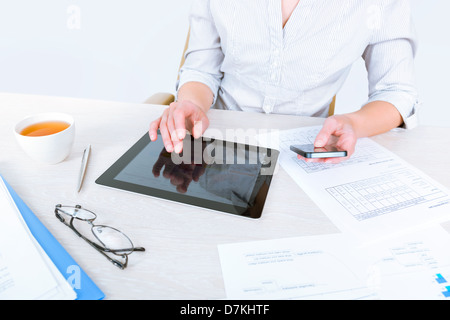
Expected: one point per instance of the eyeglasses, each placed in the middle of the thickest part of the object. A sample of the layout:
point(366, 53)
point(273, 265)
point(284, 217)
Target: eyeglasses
point(107, 239)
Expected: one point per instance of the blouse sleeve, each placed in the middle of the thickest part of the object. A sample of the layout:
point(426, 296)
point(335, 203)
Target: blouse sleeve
point(389, 59)
point(204, 56)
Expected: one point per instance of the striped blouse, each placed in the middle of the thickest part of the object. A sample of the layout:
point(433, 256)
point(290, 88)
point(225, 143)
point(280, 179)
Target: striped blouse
point(240, 49)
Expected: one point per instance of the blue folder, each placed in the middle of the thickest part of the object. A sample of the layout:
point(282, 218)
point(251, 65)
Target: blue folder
point(84, 287)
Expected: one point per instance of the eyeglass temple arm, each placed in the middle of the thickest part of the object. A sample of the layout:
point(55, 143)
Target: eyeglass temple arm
point(70, 225)
point(93, 244)
point(125, 250)
point(102, 251)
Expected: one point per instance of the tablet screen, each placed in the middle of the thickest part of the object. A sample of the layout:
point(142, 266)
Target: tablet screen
point(209, 173)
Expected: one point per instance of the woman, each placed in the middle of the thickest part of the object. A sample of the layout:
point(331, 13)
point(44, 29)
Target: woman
point(292, 57)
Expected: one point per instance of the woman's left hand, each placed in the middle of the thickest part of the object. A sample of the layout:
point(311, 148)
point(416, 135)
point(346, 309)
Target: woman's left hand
point(338, 131)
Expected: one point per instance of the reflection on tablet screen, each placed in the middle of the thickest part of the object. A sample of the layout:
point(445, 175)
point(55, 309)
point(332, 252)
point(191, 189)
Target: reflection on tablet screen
point(209, 173)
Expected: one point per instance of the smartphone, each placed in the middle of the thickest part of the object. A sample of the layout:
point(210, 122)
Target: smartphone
point(311, 152)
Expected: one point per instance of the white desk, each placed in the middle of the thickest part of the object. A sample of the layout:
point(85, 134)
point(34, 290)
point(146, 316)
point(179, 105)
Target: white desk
point(181, 261)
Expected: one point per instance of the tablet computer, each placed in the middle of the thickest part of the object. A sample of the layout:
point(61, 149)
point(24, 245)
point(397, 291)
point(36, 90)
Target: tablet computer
point(214, 174)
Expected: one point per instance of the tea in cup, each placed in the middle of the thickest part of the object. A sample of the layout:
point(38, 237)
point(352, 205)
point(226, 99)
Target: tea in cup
point(46, 137)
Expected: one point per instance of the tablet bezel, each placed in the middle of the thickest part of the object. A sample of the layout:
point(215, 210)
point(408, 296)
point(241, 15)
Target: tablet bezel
point(107, 179)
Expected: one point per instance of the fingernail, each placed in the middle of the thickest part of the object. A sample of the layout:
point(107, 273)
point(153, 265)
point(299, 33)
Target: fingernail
point(197, 130)
point(178, 147)
point(319, 143)
point(181, 134)
point(169, 148)
point(152, 137)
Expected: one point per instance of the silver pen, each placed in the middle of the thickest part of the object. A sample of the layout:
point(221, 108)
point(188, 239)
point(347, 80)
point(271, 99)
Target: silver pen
point(84, 162)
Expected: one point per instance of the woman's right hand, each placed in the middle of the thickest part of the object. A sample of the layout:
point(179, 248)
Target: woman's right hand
point(175, 120)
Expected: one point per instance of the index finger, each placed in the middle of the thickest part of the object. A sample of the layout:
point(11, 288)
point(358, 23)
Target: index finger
point(153, 131)
point(179, 119)
point(323, 137)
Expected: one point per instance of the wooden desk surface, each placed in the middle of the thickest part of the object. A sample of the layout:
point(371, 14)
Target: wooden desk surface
point(181, 261)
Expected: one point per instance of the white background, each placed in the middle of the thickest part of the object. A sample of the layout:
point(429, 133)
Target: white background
point(128, 50)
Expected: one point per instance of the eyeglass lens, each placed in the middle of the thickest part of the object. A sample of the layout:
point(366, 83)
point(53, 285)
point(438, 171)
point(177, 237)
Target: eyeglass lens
point(110, 238)
point(113, 239)
point(78, 212)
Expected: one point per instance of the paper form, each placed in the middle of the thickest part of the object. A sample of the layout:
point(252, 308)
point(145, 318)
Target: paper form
point(415, 266)
point(26, 272)
point(339, 266)
point(314, 267)
point(373, 193)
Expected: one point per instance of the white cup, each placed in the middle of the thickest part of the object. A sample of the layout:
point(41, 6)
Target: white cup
point(48, 149)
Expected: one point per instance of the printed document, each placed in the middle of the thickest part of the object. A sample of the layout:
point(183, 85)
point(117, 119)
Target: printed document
point(374, 192)
point(339, 266)
point(26, 272)
point(315, 267)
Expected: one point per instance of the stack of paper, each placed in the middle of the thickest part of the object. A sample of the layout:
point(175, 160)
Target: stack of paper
point(391, 246)
point(372, 194)
point(26, 272)
point(413, 266)
point(81, 283)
